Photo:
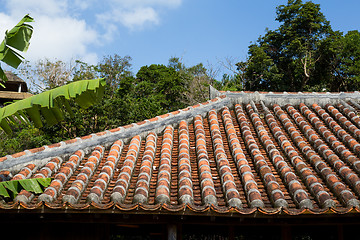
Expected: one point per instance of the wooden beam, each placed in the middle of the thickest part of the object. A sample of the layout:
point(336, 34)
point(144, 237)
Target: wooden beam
point(14, 95)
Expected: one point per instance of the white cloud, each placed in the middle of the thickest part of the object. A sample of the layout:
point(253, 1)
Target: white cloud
point(147, 3)
point(82, 4)
point(61, 38)
point(135, 14)
point(133, 19)
point(37, 7)
point(139, 16)
point(57, 34)
point(61, 32)
point(6, 22)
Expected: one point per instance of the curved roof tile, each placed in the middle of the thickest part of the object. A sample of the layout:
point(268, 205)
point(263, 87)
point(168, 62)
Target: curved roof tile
point(243, 153)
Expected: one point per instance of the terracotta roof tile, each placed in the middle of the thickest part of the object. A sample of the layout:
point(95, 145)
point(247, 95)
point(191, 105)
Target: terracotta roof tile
point(62, 176)
point(19, 154)
point(34, 150)
point(238, 154)
point(272, 186)
point(106, 173)
point(25, 172)
point(5, 175)
point(143, 181)
point(251, 188)
point(164, 171)
point(206, 179)
point(184, 166)
point(45, 172)
point(302, 169)
point(340, 189)
point(122, 183)
point(296, 189)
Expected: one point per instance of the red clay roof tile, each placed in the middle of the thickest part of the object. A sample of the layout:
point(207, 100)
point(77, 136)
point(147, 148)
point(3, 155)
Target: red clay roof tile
point(227, 159)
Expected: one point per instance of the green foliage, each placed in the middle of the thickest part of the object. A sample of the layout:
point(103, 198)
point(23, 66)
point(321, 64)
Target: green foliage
point(345, 65)
point(114, 69)
point(302, 54)
point(10, 189)
point(229, 83)
point(261, 71)
point(25, 137)
point(156, 90)
point(162, 84)
point(18, 38)
point(195, 80)
point(285, 59)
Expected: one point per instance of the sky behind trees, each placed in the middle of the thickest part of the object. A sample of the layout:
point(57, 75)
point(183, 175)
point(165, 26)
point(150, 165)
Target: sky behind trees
point(152, 31)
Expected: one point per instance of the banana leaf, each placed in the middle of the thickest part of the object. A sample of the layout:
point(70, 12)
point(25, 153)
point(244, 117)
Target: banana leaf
point(31, 185)
point(49, 107)
point(18, 38)
point(10, 189)
point(45, 182)
point(3, 191)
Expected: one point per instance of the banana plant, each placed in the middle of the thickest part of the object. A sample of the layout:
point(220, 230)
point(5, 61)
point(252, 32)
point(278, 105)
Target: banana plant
point(50, 106)
point(18, 38)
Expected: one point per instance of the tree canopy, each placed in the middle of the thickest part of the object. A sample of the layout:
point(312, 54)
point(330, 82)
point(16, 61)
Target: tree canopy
point(302, 54)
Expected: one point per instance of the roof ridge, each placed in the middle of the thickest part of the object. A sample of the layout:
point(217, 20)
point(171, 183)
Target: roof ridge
point(283, 98)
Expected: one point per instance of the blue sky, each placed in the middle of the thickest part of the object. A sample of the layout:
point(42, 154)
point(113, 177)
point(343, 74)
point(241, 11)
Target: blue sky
point(152, 31)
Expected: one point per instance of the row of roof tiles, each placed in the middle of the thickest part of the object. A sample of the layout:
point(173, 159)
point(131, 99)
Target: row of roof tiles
point(244, 156)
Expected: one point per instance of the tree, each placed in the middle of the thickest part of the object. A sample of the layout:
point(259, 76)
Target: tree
point(45, 74)
point(18, 38)
point(234, 80)
point(297, 40)
point(343, 62)
point(23, 137)
point(155, 90)
point(195, 81)
point(260, 71)
point(163, 84)
point(285, 59)
point(114, 69)
point(350, 64)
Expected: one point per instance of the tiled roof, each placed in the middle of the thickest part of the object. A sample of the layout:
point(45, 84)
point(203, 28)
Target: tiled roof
point(237, 154)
